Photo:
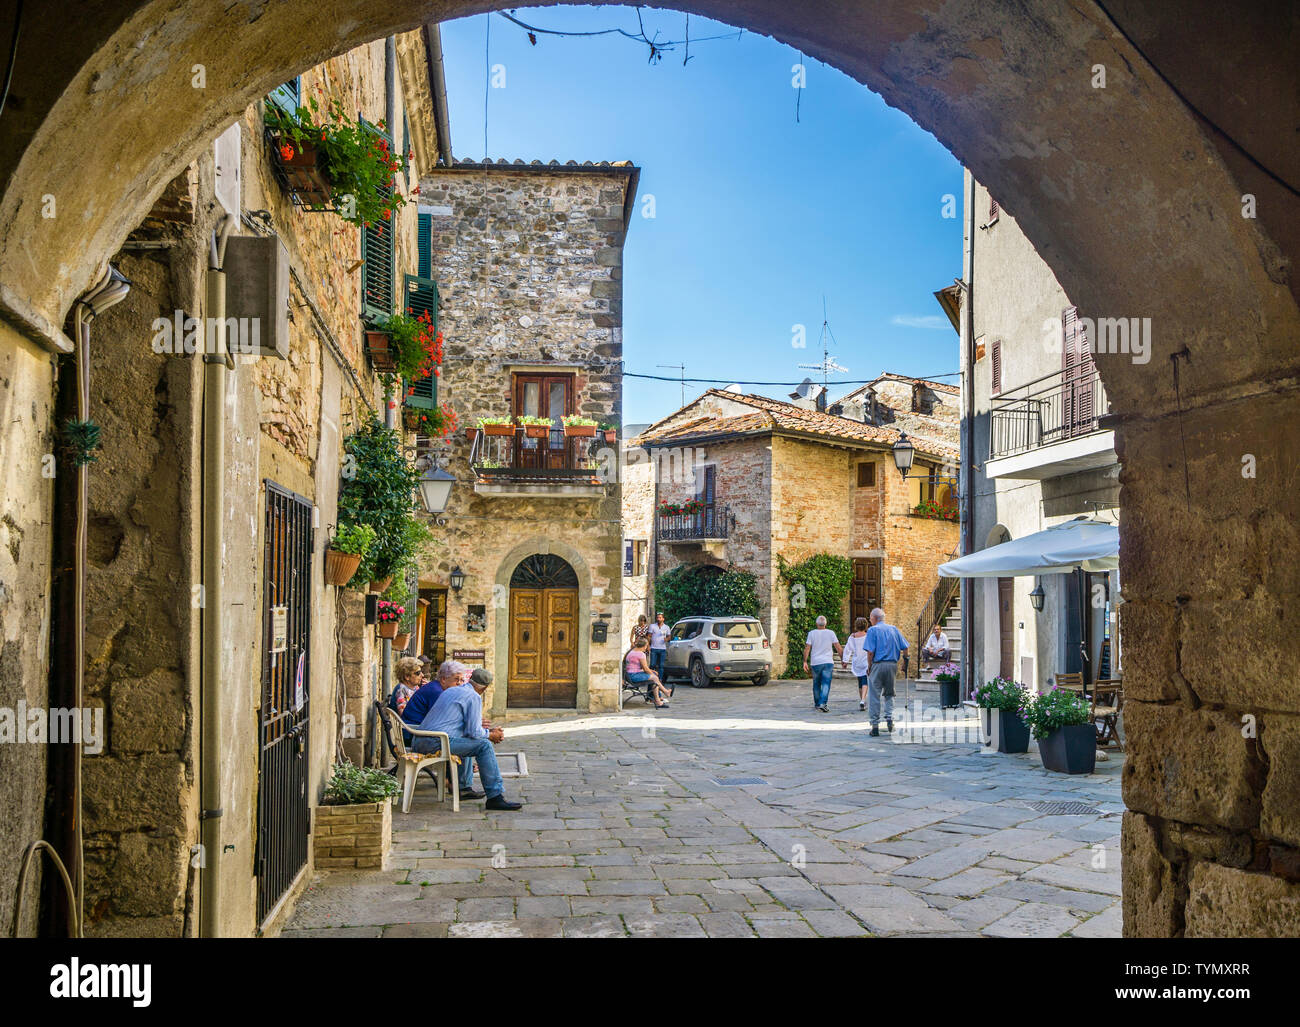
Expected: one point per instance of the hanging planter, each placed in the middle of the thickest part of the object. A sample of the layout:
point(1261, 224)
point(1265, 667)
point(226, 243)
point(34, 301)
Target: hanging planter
point(471, 434)
point(578, 427)
point(536, 427)
point(345, 552)
point(380, 585)
point(498, 426)
point(390, 618)
point(382, 352)
point(300, 167)
point(388, 629)
point(340, 567)
point(401, 641)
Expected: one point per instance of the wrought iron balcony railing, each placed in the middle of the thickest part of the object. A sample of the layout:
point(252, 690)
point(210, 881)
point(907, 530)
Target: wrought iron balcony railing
point(1055, 408)
point(554, 458)
point(713, 523)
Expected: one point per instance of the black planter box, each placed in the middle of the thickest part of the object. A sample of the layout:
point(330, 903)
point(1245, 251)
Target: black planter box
point(948, 696)
point(1006, 729)
point(1070, 750)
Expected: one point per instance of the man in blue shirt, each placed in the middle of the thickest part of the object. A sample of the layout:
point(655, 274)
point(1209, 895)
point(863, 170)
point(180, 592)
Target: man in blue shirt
point(883, 645)
point(459, 713)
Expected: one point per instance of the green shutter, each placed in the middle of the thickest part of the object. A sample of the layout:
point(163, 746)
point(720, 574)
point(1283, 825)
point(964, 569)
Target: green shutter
point(377, 272)
point(421, 296)
point(424, 236)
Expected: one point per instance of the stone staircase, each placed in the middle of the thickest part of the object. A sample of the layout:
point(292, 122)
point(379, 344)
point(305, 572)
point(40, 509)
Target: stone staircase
point(951, 628)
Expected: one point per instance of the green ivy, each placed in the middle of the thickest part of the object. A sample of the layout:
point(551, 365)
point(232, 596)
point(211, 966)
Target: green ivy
point(818, 587)
point(379, 490)
point(695, 591)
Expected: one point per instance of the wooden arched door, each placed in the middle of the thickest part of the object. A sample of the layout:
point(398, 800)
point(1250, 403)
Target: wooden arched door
point(543, 634)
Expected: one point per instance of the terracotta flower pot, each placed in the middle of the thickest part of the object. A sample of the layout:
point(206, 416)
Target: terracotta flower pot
point(339, 567)
point(505, 430)
point(400, 642)
point(302, 172)
point(388, 628)
point(379, 586)
point(580, 431)
point(382, 354)
point(611, 435)
point(537, 431)
point(471, 434)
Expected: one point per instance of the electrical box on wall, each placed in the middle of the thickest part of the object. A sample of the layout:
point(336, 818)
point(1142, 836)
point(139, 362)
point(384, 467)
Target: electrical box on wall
point(257, 295)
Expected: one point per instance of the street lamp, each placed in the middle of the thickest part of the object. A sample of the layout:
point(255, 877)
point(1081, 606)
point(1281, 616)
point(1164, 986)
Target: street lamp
point(904, 453)
point(456, 578)
point(1036, 596)
point(435, 489)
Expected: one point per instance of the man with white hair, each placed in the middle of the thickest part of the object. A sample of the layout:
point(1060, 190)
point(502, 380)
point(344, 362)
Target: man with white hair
point(451, 674)
point(883, 645)
point(819, 652)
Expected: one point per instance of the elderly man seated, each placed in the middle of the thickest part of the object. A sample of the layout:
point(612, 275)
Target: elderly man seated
point(936, 646)
point(459, 713)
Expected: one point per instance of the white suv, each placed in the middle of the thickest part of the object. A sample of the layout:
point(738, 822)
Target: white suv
point(708, 649)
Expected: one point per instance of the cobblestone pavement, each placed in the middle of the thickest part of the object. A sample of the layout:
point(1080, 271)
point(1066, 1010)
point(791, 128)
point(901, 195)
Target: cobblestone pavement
point(742, 811)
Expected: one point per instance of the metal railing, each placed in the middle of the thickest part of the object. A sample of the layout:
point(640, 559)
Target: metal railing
point(1059, 406)
point(555, 458)
point(935, 610)
point(709, 524)
point(939, 490)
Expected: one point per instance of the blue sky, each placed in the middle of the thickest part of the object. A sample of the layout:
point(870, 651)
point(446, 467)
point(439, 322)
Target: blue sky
point(757, 216)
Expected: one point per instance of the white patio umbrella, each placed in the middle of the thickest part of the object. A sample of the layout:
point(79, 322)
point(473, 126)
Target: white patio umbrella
point(1081, 543)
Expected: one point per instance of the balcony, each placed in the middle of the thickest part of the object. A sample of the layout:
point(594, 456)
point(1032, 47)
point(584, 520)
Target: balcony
point(555, 464)
point(1050, 427)
point(712, 524)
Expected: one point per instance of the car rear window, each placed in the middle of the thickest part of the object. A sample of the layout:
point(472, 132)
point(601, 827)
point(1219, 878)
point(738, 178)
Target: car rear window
point(738, 629)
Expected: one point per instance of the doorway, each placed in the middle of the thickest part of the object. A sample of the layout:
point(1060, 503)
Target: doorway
point(543, 639)
point(433, 627)
point(865, 595)
point(1006, 629)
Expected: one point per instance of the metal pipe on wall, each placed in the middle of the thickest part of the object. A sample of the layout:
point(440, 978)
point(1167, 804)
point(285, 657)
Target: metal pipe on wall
point(968, 437)
point(215, 365)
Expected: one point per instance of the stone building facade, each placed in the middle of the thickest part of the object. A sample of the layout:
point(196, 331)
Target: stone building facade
point(788, 482)
point(528, 260)
point(145, 592)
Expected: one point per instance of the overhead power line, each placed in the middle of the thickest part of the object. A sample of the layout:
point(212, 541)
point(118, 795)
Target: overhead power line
point(732, 381)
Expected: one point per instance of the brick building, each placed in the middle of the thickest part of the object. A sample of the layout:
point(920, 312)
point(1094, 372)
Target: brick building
point(528, 261)
point(780, 480)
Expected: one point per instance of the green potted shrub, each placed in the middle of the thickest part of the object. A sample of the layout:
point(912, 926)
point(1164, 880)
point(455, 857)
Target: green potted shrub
point(332, 158)
point(579, 427)
point(378, 489)
point(536, 427)
point(949, 678)
point(1000, 704)
point(1067, 742)
point(345, 551)
point(353, 826)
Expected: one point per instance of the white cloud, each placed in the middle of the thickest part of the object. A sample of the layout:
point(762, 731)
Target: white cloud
point(933, 321)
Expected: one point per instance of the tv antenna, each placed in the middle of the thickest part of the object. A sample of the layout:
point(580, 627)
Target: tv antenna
point(682, 368)
point(827, 366)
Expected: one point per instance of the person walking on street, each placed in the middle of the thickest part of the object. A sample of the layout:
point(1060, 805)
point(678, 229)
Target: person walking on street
point(884, 644)
point(855, 658)
point(659, 632)
point(819, 652)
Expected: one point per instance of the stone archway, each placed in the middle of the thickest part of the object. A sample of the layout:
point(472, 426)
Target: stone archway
point(1135, 204)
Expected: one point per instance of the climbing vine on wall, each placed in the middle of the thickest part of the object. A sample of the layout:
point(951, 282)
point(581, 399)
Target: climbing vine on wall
point(691, 591)
point(818, 587)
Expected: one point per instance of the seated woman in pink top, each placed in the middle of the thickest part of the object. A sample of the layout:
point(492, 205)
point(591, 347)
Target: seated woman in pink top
point(637, 665)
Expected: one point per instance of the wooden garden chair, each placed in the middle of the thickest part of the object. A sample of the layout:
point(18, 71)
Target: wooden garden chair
point(411, 763)
point(1073, 681)
point(1107, 701)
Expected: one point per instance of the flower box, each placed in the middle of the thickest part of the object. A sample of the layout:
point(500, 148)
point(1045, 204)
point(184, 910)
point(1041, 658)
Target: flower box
point(381, 352)
point(340, 567)
point(302, 172)
point(580, 431)
point(537, 431)
point(500, 429)
point(471, 434)
point(352, 837)
point(1071, 749)
point(611, 434)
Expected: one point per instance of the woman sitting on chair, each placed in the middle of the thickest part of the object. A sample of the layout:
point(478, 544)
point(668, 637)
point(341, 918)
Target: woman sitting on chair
point(637, 666)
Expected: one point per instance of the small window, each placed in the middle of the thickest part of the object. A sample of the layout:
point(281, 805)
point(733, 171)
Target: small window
point(867, 474)
point(738, 629)
point(639, 561)
point(634, 553)
point(996, 365)
point(288, 96)
point(994, 210)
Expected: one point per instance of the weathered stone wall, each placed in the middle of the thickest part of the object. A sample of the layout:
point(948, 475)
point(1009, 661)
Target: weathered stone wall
point(637, 510)
point(529, 271)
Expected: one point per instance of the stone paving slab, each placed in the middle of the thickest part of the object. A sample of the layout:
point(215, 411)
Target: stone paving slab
point(630, 836)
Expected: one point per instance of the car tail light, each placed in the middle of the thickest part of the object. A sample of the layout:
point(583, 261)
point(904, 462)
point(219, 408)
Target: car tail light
point(714, 644)
point(767, 644)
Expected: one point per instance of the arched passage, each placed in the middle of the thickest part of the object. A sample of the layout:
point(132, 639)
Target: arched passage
point(1137, 207)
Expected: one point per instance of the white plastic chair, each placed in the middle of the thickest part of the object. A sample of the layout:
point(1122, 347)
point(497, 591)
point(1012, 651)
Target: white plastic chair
point(413, 762)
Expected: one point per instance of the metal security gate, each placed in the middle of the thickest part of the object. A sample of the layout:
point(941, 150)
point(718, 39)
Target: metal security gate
point(282, 812)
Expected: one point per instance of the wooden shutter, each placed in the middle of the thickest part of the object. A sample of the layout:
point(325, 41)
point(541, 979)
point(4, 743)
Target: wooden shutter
point(424, 245)
point(996, 366)
point(867, 474)
point(422, 297)
point(994, 210)
point(377, 254)
point(1076, 376)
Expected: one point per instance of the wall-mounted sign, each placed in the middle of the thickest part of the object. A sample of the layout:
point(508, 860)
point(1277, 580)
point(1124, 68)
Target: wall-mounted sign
point(473, 657)
point(279, 628)
point(896, 573)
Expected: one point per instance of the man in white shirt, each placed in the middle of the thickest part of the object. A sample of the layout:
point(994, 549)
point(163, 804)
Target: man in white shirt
point(659, 632)
point(936, 646)
point(819, 652)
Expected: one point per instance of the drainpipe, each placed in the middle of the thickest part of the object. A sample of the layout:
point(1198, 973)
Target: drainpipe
point(68, 606)
point(438, 83)
point(968, 434)
point(215, 365)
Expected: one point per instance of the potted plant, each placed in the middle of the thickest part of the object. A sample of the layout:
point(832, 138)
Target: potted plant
point(501, 426)
point(324, 156)
point(343, 555)
point(379, 491)
point(578, 427)
point(536, 427)
point(609, 430)
point(390, 616)
point(436, 424)
point(406, 345)
point(353, 826)
point(405, 627)
point(1059, 721)
point(1000, 704)
point(471, 433)
point(949, 678)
